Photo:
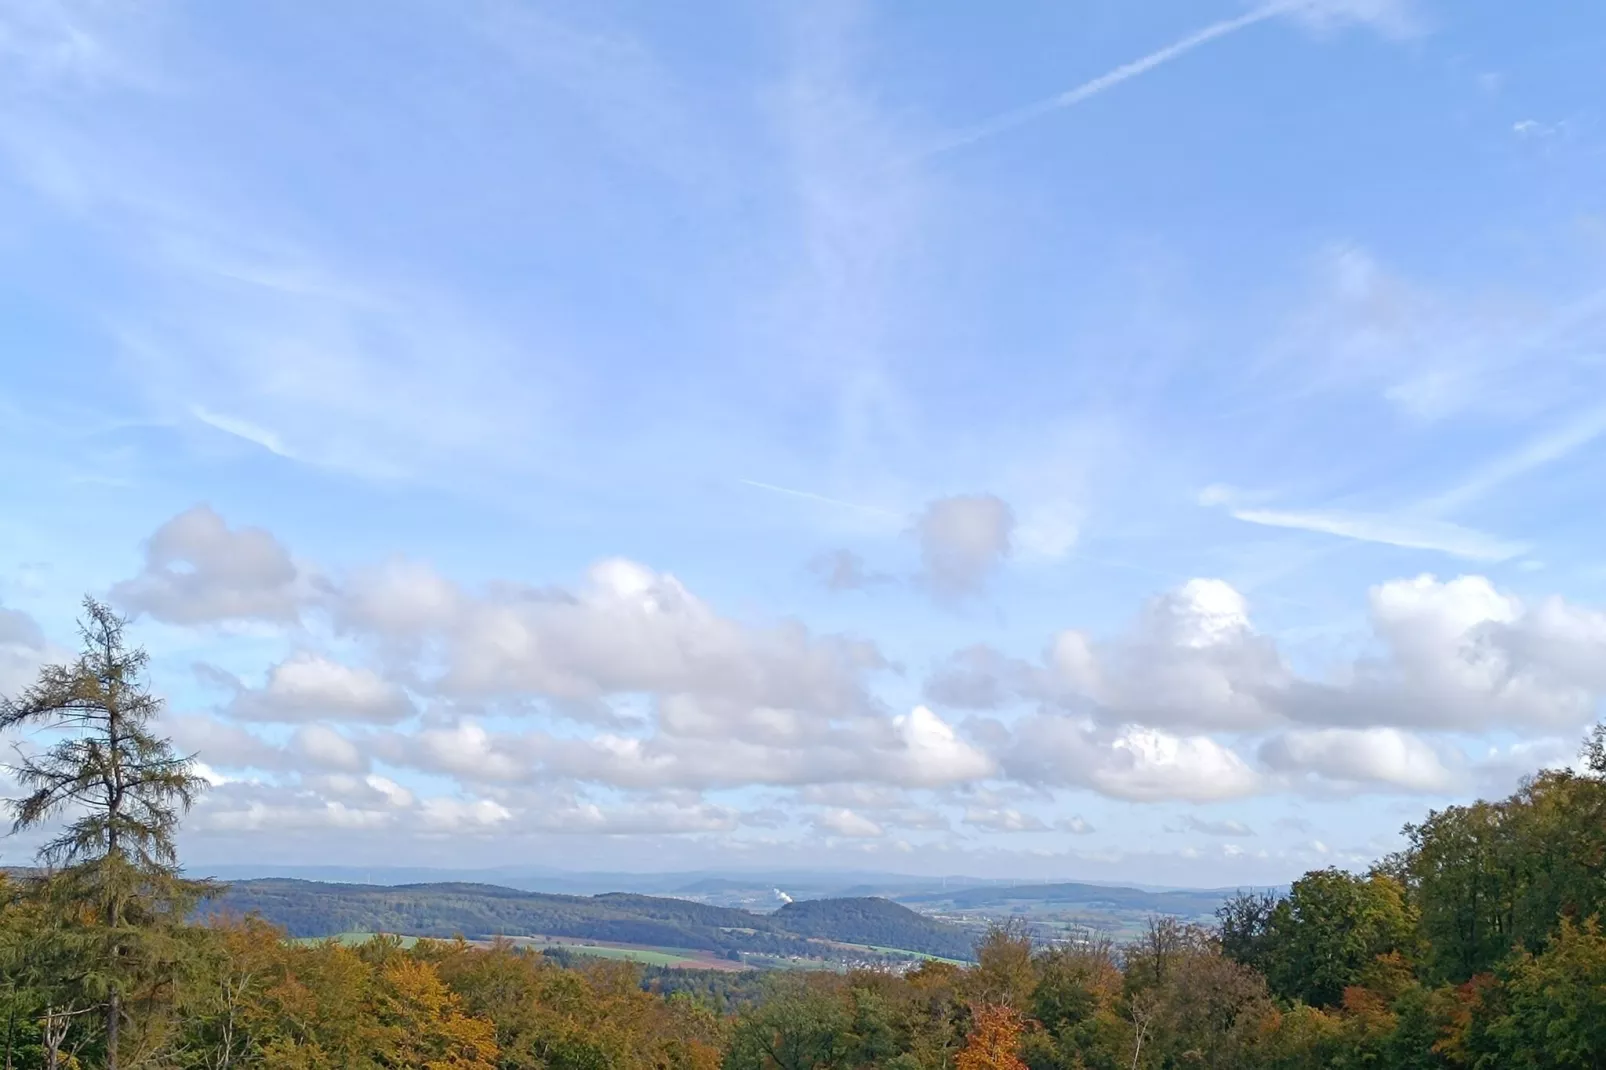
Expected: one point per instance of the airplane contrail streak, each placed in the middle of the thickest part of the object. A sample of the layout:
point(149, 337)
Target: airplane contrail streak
point(1071, 97)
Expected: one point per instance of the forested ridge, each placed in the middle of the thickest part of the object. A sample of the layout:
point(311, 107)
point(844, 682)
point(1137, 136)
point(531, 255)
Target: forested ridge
point(1478, 945)
point(309, 908)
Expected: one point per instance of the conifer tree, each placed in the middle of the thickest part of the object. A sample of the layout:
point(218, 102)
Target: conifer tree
point(120, 789)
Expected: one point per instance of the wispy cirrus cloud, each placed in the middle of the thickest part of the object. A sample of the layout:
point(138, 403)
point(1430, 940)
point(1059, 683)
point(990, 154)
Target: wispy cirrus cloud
point(1416, 533)
point(1391, 16)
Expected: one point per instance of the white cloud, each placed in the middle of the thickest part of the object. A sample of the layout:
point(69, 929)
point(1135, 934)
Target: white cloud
point(1417, 533)
point(1452, 655)
point(629, 629)
point(23, 651)
point(441, 814)
point(1224, 827)
point(654, 818)
point(1139, 764)
point(1193, 659)
point(326, 748)
point(222, 745)
point(308, 686)
point(932, 754)
point(847, 823)
point(854, 796)
point(197, 570)
point(1003, 819)
point(400, 599)
point(1462, 655)
point(19, 629)
point(236, 808)
point(1165, 711)
point(1371, 756)
point(1500, 769)
point(916, 750)
point(465, 750)
point(1153, 765)
point(844, 570)
point(963, 540)
point(393, 793)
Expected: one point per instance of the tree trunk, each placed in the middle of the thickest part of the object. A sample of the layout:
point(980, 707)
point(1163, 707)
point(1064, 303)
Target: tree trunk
point(114, 1017)
point(55, 1033)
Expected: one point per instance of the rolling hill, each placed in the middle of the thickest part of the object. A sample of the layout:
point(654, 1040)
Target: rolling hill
point(876, 922)
point(311, 909)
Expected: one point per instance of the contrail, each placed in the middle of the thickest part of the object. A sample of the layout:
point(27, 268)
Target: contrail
point(811, 496)
point(1071, 97)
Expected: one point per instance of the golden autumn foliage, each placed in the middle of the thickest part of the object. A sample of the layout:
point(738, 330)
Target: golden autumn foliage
point(994, 1040)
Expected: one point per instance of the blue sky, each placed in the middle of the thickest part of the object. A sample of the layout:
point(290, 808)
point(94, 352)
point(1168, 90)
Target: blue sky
point(1129, 441)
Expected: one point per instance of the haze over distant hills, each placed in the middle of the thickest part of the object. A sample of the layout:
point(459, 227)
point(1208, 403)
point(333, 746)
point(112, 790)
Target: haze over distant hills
point(808, 929)
point(694, 884)
point(771, 913)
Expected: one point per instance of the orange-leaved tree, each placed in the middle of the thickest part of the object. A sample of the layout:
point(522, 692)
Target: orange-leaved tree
point(994, 1040)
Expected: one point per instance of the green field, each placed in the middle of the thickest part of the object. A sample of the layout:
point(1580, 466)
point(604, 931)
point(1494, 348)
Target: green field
point(647, 956)
point(913, 954)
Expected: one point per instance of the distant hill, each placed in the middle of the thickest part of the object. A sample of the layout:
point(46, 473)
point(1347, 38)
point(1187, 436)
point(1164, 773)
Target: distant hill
point(878, 922)
point(311, 909)
point(1185, 903)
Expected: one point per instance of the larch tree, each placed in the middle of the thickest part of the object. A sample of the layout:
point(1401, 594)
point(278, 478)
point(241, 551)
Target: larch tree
point(119, 791)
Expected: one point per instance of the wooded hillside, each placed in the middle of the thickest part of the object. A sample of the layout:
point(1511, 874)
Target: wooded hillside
point(479, 911)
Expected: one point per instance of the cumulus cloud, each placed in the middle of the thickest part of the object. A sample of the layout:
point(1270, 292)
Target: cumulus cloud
point(1003, 819)
point(1461, 655)
point(918, 750)
point(854, 796)
point(629, 629)
point(22, 650)
point(932, 754)
point(1139, 764)
point(222, 744)
point(236, 808)
point(980, 678)
point(847, 823)
point(1498, 770)
point(963, 540)
point(1448, 655)
point(344, 802)
point(19, 629)
point(197, 570)
point(1366, 756)
point(653, 818)
point(308, 686)
point(323, 747)
point(462, 815)
point(1191, 660)
point(1190, 702)
point(1204, 827)
point(844, 570)
point(400, 599)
